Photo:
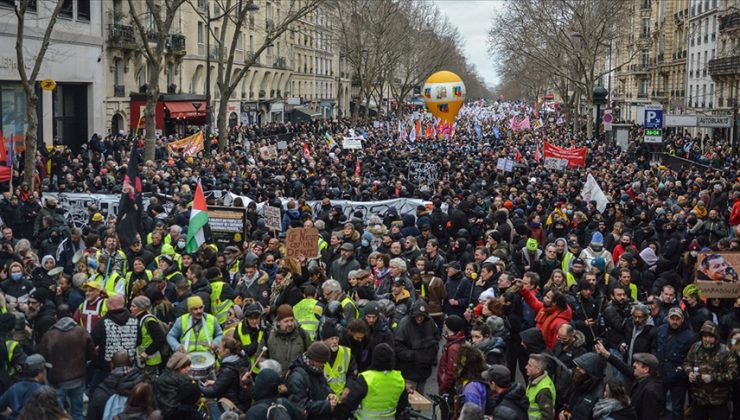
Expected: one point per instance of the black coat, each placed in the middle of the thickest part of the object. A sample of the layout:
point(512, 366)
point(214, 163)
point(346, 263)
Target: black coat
point(512, 404)
point(308, 390)
point(227, 384)
point(647, 394)
point(120, 381)
point(416, 347)
point(166, 390)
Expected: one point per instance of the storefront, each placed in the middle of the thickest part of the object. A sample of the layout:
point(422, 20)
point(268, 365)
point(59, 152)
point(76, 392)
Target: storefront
point(173, 114)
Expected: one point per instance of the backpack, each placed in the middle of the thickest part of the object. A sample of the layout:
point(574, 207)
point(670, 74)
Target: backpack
point(114, 406)
point(277, 411)
point(165, 351)
point(561, 377)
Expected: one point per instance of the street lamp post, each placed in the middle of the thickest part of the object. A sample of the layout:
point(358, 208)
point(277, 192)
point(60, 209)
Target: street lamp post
point(208, 80)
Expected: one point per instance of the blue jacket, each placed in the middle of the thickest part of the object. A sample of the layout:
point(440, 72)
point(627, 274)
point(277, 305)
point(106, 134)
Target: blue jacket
point(291, 218)
point(17, 395)
point(672, 347)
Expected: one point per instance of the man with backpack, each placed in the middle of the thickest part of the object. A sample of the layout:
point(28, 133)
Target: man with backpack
point(268, 404)
point(122, 379)
point(151, 337)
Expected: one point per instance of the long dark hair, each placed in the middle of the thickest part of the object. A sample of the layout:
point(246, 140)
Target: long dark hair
point(618, 392)
point(43, 404)
point(470, 364)
point(141, 398)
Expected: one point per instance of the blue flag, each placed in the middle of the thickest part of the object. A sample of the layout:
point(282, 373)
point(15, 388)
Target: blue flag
point(497, 133)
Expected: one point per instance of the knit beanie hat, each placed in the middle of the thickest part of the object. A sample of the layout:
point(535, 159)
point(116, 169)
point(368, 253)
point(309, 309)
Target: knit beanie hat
point(194, 302)
point(597, 239)
point(328, 330)
point(142, 302)
point(599, 263)
point(454, 323)
point(319, 352)
point(178, 360)
point(532, 244)
point(284, 311)
point(383, 357)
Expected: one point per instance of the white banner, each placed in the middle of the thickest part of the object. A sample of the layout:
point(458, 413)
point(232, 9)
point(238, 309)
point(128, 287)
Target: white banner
point(592, 191)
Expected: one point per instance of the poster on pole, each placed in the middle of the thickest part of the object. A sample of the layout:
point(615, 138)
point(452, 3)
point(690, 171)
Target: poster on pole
point(272, 217)
point(228, 225)
point(302, 242)
point(716, 274)
point(352, 143)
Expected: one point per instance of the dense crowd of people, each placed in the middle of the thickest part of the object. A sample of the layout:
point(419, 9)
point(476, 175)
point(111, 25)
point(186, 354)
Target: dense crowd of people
point(522, 298)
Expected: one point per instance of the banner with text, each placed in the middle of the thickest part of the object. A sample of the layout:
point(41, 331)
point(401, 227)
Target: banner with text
point(575, 157)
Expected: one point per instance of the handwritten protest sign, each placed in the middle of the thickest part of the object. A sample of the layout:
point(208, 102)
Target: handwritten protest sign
point(272, 217)
point(268, 152)
point(302, 242)
point(716, 274)
point(423, 172)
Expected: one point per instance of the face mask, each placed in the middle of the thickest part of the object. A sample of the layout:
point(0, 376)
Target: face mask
point(269, 265)
point(92, 263)
point(16, 276)
point(181, 245)
point(733, 341)
point(694, 253)
point(597, 248)
point(625, 244)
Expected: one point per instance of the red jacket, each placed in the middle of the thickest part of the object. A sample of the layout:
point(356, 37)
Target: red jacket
point(735, 214)
point(447, 366)
point(547, 319)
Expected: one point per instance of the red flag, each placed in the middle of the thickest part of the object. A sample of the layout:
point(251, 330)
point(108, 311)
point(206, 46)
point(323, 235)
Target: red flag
point(357, 167)
point(518, 156)
point(306, 150)
point(3, 151)
point(537, 155)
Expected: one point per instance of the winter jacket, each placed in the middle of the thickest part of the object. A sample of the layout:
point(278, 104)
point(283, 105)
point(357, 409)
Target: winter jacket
point(16, 397)
point(416, 347)
point(698, 315)
point(548, 319)
point(116, 331)
point(55, 344)
point(671, 349)
point(494, 349)
point(227, 384)
point(581, 399)
point(308, 389)
point(284, 347)
point(647, 393)
point(166, 390)
point(265, 393)
point(512, 404)
point(640, 340)
point(458, 288)
point(447, 368)
point(575, 349)
point(120, 381)
point(718, 362)
point(339, 270)
point(615, 316)
point(291, 218)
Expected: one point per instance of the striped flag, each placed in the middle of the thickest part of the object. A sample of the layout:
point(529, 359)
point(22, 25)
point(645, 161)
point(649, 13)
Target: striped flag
point(198, 229)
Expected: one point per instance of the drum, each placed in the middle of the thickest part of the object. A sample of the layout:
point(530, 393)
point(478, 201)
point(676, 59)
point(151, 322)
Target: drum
point(201, 365)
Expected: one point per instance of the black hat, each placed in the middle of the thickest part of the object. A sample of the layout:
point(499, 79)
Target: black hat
point(7, 322)
point(399, 281)
point(455, 324)
point(383, 357)
point(328, 330)
point(252, 310)
point(498, 374)
point(453, 264)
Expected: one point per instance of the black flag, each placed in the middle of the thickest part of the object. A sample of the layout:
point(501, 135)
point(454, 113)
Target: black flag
point(130, 207)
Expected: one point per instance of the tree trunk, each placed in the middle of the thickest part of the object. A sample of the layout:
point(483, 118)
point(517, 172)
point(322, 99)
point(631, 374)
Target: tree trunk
point(589, 116)
point(223, 132)
point(29, 162)
point(152, 97)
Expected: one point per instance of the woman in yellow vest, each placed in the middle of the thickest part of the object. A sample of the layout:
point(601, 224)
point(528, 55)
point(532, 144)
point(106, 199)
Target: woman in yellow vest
point(151, 337)
point(380, 391)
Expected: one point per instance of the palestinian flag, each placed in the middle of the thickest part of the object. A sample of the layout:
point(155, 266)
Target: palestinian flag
point(130, 206)
point(198, 229)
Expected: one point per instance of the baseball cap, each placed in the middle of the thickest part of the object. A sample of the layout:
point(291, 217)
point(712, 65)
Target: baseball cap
point(498, 374)
point(675, 311)
point(36, 362)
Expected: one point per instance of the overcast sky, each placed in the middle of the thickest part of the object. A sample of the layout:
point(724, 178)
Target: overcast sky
point(473, 18)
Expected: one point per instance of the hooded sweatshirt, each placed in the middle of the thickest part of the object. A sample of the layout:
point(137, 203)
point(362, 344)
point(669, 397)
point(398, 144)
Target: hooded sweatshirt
point(114, 332)
point(69, 366)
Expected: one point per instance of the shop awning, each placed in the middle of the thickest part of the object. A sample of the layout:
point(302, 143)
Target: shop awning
point(185, 109)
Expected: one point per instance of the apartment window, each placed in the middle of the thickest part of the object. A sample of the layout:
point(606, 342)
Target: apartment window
point(643, 87)
point(83, 10)
point(644, 57)
point(201, 38)
point(645, 27)
point(67, 10)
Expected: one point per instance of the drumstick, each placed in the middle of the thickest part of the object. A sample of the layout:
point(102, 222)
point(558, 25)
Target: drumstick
point(257, 359)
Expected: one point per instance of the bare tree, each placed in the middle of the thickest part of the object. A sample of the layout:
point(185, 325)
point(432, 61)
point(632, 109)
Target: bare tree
point(28, 81)
point(153, 41)
point(231, 69)
point(573, 46)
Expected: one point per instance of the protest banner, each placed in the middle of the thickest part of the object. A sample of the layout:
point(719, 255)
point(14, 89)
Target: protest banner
point(302, 242)
point(228, 225)
point(592, 191)
point(273, 219)
point(188, 146)
point(575, 157)
point(268, 152)
point(352, 143)
point(716, 274)
point(282, 145)
point(421, 172)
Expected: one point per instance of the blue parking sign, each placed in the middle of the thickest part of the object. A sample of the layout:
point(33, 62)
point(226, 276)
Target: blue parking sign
point(653, 117)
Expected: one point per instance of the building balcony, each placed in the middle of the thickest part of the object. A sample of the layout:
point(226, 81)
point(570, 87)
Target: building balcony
point(640, 68)
point(176, 44)
point(119, 91)
point(642, 95)
point(280, 63)
point(152, 37)
point(215, 53)
point(251, 56)
point(121, 36)
point(729, 22)
point(724, 66)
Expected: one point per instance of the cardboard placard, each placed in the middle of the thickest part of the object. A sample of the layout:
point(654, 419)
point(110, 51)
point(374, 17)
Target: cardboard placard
point(302, 242)
point(282, 145)
point(352, 143)
point(716, 274)
point(421, 172)
point(228, 225)
point(272, 217)
point(268, 152)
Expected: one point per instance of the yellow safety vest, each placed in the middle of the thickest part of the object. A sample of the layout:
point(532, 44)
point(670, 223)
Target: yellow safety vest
point(146, 340)
point(11, 345)
point(532, 391)
point(203, 340)
point(383, 391)
point(347, 301)
point(246, 340)
point(219, 308)
point(307, 313)
point(336, 374)
point(113, 285)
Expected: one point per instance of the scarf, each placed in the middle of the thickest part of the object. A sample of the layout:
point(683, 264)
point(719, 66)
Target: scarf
point(605, 406)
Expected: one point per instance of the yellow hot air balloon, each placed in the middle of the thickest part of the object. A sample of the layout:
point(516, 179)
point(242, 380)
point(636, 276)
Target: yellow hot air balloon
point(444, 94)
